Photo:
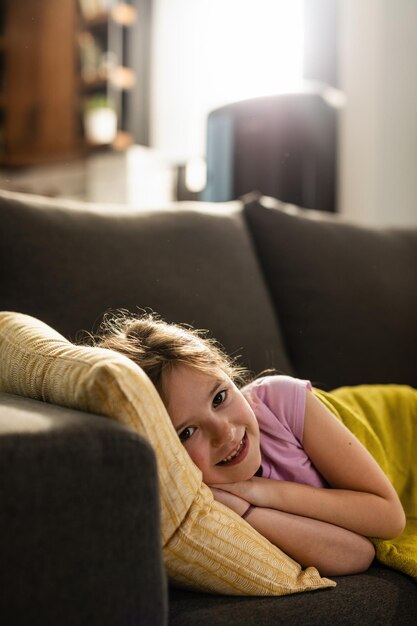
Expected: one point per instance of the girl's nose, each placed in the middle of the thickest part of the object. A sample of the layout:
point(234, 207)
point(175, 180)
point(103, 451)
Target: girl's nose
point(222, 432)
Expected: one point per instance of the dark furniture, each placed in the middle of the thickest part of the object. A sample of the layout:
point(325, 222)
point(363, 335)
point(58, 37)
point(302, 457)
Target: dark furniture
point(284, 146)
point(299, 291)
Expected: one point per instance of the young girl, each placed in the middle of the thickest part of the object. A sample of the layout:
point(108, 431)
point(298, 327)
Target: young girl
point(269, 450)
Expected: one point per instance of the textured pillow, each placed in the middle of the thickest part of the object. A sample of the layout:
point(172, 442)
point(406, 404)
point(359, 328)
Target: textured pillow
point(205, 545)
point(345, 295)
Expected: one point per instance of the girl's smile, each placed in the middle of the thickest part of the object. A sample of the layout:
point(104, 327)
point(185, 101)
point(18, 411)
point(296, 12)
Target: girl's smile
point(239, 455)
point(215, 423)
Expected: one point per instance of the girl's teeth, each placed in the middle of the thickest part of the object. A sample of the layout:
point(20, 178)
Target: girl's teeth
point(232, 456)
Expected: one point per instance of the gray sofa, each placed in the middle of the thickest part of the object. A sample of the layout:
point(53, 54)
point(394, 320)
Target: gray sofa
point(295, 290)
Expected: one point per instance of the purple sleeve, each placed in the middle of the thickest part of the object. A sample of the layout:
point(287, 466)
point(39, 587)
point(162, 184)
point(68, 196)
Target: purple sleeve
point(285, 398)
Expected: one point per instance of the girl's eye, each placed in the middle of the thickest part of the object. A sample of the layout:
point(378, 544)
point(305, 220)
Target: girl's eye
point(219, 398)
point(186, 433)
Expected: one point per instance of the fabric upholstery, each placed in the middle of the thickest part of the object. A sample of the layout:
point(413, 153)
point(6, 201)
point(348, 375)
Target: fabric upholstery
point(378, 597)
point(66, 263)
point(206, 546)
point(345, 295)
point(79, 526)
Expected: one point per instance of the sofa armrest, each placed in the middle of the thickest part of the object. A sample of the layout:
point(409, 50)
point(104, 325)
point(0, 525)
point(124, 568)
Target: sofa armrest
point(79, 523)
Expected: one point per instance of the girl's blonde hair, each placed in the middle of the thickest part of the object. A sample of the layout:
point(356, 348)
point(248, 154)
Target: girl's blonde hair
point(157, 346)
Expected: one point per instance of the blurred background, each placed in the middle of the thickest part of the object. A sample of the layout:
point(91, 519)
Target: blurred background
point(145, 102)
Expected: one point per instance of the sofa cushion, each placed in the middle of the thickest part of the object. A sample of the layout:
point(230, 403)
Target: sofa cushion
point(380, 596)
point(206, 546)
point(345, 295)
point(66, 263)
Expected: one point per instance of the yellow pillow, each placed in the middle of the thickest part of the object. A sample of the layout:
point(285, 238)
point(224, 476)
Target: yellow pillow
point(206, 546)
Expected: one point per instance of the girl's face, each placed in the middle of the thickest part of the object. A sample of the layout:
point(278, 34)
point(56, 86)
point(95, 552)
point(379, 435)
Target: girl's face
point(215, 423)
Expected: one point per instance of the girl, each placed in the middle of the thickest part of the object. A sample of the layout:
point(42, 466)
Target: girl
point(270, 450)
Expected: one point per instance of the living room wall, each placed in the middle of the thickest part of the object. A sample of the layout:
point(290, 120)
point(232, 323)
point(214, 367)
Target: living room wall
point(209, 53)
point(378, 147)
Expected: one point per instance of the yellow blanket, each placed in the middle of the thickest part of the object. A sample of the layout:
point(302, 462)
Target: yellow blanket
point(384, 419)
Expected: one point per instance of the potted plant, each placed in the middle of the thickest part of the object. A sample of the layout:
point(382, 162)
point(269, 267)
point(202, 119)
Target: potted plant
point(100, 119)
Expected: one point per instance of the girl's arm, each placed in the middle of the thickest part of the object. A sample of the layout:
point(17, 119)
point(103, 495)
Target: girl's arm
point(362, 499)
point(332, 550)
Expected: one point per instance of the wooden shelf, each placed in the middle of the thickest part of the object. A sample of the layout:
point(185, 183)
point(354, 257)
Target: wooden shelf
point(94, 84)
point(120, 143)
point(119, 77)
point(123, 141)
point(25, 158)
point(84, 56)
point(122, 77)
point(121, 13)
point(98, 20)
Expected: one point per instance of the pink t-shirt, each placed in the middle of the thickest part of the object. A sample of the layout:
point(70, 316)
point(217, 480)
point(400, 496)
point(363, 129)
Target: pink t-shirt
point(279, 405)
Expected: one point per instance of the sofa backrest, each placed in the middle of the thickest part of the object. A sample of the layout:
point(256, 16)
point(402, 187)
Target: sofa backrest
point(67, 263)
point(345, 294)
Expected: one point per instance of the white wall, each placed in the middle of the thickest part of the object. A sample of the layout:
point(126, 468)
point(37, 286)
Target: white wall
point(378, 148)
point(175, 107)
point(207, 53)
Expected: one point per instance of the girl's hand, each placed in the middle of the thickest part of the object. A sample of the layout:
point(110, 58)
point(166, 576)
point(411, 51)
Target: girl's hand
point(234, 502)
point(261, 492)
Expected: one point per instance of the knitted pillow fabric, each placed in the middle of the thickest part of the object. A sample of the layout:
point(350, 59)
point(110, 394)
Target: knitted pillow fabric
point(206, 546)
